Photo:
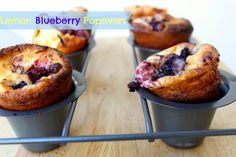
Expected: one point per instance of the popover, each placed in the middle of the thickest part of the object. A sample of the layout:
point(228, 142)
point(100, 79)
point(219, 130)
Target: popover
point(66, 41)
point(185, 72)
point(155, 28)
point(33, 77)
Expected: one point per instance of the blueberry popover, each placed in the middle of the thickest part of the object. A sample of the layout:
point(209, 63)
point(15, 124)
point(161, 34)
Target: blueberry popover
point(33, 77)
point(155, 28)
point(185, 72)
point(67, 41)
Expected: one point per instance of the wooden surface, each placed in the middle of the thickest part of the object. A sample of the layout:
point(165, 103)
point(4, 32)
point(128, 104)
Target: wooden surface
point(106, 107)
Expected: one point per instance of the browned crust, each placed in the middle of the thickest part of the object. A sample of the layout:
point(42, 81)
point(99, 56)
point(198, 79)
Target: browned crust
point(69, 43)
point(45, 92)
point(194, 84)
point(201, 86)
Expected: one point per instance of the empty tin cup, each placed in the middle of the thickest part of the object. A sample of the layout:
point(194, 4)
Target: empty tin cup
point(174, 119)
point(44, 122)
point(143, 53)
point(77, 59)
point(176, 116)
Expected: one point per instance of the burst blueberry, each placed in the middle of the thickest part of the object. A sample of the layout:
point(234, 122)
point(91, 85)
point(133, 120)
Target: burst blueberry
point(156, 25)
point(19, 85)
point(133, 86)
point(184, 53)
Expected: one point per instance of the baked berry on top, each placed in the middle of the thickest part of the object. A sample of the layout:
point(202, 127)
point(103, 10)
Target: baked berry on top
point(151, 23)
point(32, 77)
point(184, 72)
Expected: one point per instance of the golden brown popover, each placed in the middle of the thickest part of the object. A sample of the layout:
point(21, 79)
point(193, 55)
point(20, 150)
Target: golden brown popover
point(67, 41)
point(154, 28)
point(33, 77)
point(185, 72)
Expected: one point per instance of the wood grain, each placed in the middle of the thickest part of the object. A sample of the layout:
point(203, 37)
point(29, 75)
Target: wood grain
point(107, 107)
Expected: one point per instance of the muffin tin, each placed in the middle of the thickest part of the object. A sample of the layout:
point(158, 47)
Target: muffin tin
point(228, 88)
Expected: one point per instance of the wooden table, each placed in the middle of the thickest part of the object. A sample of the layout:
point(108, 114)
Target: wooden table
point(106, 107)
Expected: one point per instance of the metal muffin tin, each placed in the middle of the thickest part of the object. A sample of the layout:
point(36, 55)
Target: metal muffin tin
point(171, 136)
point(77, 59)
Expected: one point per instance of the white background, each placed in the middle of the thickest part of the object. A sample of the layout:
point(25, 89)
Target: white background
point(214, 21)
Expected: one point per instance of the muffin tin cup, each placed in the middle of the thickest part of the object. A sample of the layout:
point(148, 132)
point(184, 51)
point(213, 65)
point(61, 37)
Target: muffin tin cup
point(170, 119)
point(175, 116)
point(77, 59)
point(44, 122)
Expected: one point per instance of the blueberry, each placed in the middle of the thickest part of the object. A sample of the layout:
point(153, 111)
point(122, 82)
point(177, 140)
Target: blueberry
point(169, 66)
point(54, 68)
point(166, 67)
point(173, 64)
point(153, 23)
point(159, 27)
point(184, 53)
point(133, 86)
point(156, 25)
point(19, 85)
